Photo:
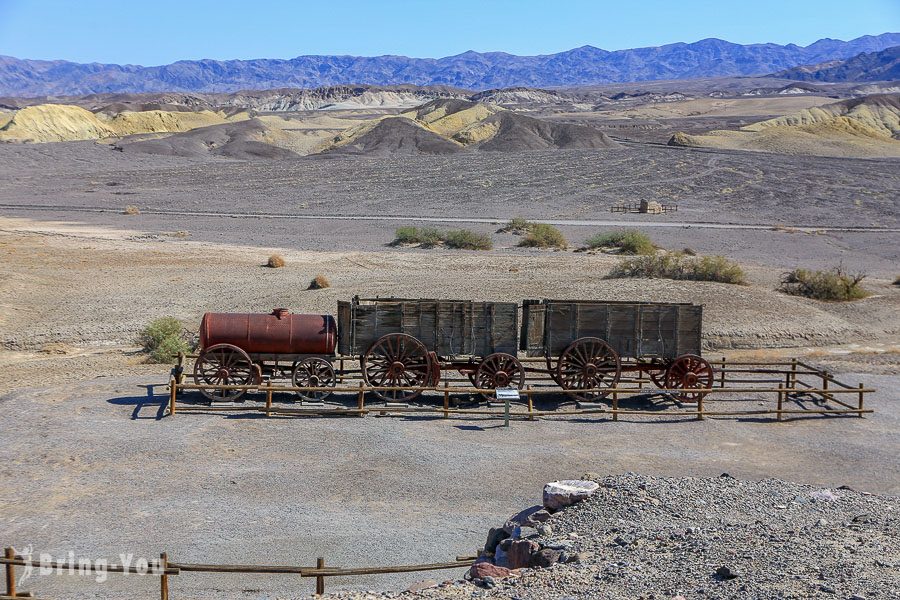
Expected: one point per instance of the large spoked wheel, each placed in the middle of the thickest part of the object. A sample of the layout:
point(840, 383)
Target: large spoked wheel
point(588, 363)
point(223, 364)
point(499, 370)
point(313, 372)
point(397, 360)
point(686, 372)
point(656, 371)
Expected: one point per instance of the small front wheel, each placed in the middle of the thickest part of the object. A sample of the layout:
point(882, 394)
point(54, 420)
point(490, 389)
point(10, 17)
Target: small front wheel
point(314, 372)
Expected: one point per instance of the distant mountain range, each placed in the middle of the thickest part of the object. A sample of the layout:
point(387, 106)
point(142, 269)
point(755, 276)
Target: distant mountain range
point(868, 66)
point(470, 70)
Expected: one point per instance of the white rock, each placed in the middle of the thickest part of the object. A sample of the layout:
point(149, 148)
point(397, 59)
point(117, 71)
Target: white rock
point(559, 494)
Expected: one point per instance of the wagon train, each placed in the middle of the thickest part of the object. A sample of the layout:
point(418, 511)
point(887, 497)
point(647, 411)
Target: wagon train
point(404, 346)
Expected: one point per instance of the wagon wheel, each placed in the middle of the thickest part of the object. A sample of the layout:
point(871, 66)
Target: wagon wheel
point(397, 359)
point(689, 371)
point(588, 363)
point(223, 364)
point(656, 371)
point(499, 370)
point(313, 372)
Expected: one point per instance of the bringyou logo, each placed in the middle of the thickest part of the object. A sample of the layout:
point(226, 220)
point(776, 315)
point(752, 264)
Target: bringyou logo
point(99, 569)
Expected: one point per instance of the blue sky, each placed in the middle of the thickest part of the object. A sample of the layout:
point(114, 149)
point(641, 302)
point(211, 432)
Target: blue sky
point(163, 31)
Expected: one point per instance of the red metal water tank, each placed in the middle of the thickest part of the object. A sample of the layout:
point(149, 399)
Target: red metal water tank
point(279, 332)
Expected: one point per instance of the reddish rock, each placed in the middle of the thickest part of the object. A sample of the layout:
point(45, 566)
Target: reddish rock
point(520, 551)
point(485, 569)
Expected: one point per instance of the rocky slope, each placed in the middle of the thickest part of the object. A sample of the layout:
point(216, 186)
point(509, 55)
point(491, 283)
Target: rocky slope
point(859, 127)
point(473, 70)
point(868, 66)
point(657, 537)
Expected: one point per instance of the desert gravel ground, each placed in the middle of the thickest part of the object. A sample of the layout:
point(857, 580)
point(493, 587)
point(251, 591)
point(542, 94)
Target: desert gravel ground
point(90, 467)
point(665, 537)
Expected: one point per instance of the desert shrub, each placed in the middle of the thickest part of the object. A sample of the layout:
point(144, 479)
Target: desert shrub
point(689, 251)
point(541, 235)
point(466, 239)
point(675, 265)
point(276, 261)
point(163, 339)
point(626, 241)
point(897, 280)
point(426, 237)
point(319, 282)
point(518, 225)
point(834, 285)
point(131, 209)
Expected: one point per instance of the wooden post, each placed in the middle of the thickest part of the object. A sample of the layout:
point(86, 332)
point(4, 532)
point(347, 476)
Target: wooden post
point(361, 399)
point(615, 406)
point(163, 578)
point(530, 402)
point(722, 374)
point(861, 395)
point(825, 395)
point(700, 407)
point(794, 373)
point(269, 398)
point(780, 401)
point(446, 399)
point(320, 580)
point(10, 574)
point(173, 391)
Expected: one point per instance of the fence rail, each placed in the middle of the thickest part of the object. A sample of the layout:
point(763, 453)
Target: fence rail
point(733, 382)
point(164, 568)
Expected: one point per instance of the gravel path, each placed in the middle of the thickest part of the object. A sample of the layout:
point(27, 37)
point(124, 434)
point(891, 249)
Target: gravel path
point(654, 538)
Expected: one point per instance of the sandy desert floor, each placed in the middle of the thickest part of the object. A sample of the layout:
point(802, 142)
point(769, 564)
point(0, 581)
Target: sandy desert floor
point(78, 280)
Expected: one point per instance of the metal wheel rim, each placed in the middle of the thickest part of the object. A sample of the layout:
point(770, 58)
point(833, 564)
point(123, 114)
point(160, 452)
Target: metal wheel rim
point(313, 372)
point(380, 366)
point(211, 367)
point(689, 368)
point(572, 371)
point(499, 370)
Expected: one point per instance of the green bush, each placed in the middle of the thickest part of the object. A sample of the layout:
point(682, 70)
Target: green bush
point(427, 237)
point(626, 241)
point(897, 280)
point(833, 285)
point(465, 239)
point(518, 225)
point(675, 265)
point(541, 235)
point(163, 339)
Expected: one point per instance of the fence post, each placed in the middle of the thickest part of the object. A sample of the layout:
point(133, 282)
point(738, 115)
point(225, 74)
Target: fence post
point(361, 399)
point(269, 398)
point(320, 580)
point(530, 402)
point(10, 574)
point(794, 373)
point(173, 390)
point(780, 401)
point(861, 394)
point(700, 416)
point(825, 395)
point(446, 399)
point(615, 406)
point(163, 578)
point(722, 374)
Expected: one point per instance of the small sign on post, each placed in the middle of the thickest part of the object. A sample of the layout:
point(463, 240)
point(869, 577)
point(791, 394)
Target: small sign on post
point(507, 395)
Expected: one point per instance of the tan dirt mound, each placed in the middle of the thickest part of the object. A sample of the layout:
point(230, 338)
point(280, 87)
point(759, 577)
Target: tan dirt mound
point(513, 132)
point(397, 135)
point(860, 127)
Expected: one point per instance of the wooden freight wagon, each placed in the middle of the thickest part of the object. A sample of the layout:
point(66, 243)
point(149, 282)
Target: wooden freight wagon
point(408, 342)
point(587, 344)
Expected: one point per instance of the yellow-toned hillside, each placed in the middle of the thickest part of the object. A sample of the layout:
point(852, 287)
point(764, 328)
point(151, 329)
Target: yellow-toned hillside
point(864, 127)
point(54, 123)
point(66, 123)
point(450, 125)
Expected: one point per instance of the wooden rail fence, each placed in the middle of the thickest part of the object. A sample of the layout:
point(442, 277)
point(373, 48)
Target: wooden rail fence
point(164, 568)
point(778, 381)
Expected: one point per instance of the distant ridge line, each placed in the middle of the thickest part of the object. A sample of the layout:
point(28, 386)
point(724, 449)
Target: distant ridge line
point(470, 70)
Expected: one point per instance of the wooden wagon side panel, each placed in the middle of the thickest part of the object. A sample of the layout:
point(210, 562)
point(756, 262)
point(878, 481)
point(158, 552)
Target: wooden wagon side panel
point(532, 339)
point(659, 330)
point(690, 330)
